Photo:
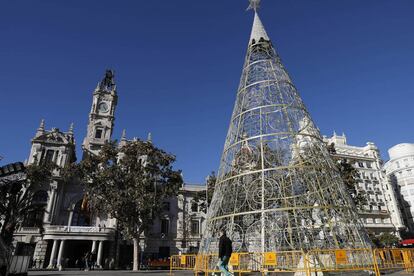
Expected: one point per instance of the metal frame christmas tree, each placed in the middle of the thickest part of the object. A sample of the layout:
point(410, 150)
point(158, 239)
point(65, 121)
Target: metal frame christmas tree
point(277, 187)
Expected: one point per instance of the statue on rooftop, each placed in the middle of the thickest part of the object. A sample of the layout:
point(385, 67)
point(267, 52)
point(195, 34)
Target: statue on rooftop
point(108, 82)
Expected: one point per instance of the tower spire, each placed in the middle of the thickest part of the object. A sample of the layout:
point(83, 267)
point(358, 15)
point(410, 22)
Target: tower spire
point(71, 129)
point(102, 115)
point(41, 128)
point(123, 136)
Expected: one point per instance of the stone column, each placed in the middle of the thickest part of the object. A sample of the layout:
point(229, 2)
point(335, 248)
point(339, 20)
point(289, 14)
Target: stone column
point(39, 254)
point(99, 256)
point(93, 246)
point(53, 253)
point(50, 205)
point(56, 156)
point(60, 255)
point(70, 218)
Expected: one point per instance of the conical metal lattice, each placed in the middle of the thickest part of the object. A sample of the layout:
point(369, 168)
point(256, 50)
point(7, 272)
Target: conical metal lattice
point(277, 187)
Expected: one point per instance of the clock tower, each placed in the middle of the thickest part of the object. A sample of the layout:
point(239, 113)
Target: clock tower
point(101, 116)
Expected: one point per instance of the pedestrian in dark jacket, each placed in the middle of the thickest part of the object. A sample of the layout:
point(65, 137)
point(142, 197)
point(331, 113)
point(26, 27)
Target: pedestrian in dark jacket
point(92, 258)
point(225, 250)
point(86, 260)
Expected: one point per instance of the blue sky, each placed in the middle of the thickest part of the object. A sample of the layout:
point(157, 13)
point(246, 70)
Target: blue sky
point(178, 65)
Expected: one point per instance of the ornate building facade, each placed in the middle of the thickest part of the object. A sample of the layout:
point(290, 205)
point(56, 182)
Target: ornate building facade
point(400, 172)
point(382, 213)
point(68, 232)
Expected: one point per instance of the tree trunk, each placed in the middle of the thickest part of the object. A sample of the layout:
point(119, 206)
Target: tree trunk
point(3, 229)
point(136, 251)
point(8, 231)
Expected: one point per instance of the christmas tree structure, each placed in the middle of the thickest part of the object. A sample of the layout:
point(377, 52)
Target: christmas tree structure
point(277, 188)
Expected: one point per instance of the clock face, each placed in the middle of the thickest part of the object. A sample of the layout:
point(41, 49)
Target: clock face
point(103, 107)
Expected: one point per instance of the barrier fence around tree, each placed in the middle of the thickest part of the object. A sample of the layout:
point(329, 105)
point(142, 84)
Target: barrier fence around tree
point(301, 262)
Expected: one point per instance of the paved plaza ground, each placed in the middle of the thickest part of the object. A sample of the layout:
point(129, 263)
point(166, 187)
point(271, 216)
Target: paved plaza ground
point(108, 273)
point(141, 273)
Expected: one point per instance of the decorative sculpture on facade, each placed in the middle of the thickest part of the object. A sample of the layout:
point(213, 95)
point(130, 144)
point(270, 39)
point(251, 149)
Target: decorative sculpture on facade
point(108, 82)
point(277, 188)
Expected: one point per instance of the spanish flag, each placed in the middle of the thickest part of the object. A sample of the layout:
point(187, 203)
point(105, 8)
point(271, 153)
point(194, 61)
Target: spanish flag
point(85, 203)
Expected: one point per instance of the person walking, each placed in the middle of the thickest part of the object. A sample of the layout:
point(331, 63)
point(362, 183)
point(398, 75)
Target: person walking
point(225, 250)
point(86, 260)
point(92, 260)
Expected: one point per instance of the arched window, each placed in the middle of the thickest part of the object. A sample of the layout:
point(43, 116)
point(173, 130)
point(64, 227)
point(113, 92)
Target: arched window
point(80, 217)
point(34, 217)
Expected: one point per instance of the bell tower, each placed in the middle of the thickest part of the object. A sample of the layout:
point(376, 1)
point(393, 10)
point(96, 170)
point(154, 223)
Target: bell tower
point(101, 116)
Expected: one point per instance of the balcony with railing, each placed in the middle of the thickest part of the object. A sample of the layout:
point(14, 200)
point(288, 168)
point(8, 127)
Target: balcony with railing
point(78, 232)
point(77, 229)
point(28, 230)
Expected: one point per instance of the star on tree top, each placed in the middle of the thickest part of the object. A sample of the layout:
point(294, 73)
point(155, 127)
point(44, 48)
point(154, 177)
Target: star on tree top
point(254, 4)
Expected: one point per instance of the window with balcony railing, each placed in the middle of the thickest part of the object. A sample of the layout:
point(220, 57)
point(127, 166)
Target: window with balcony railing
point(81, 216)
